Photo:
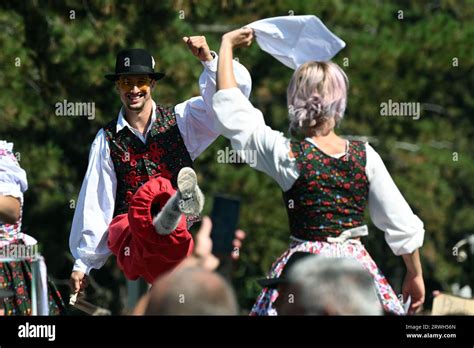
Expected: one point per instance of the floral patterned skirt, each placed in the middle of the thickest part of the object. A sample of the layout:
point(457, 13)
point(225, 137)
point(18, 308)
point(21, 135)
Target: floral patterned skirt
point(351, 249)
point(17, 277)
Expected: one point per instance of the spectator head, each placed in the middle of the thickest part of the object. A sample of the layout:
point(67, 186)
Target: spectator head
point(331, 286)
point(316, 98)
point(281, 283)
point(191, 291)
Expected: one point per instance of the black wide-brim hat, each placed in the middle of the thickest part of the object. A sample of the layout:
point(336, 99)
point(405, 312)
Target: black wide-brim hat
point(134, 61)
point(273, 283)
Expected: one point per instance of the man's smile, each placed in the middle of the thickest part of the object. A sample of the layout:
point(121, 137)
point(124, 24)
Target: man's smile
point(135, 97)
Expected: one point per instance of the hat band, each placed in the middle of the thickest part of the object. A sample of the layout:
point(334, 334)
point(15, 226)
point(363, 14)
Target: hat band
point(139, 69)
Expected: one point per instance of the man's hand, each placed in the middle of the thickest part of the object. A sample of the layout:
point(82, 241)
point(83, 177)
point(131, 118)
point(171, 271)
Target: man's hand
point(78, 281)
point(199, 47)
point(414, 286)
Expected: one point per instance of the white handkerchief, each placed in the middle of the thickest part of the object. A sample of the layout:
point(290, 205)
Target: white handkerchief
point(295, 40)
point(407, 304)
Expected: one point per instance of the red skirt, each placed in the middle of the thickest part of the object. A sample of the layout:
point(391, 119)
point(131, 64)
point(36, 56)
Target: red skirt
point(132, 238)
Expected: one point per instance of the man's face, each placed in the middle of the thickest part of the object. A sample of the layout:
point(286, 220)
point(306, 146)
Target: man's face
point(135, 91)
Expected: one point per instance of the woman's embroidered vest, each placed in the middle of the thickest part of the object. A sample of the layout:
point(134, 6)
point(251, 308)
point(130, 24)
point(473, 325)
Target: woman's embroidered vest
point(330, 195)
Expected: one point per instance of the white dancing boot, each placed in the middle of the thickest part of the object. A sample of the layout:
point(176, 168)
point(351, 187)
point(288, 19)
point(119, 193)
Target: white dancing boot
point(188, 200)
point(191, 200)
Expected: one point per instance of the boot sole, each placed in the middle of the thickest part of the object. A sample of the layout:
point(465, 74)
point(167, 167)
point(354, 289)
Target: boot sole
point(187, 182)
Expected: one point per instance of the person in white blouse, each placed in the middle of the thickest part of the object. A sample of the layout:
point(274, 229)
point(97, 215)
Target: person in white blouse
point(327, 180)
point(19, 250)
point(145, 140)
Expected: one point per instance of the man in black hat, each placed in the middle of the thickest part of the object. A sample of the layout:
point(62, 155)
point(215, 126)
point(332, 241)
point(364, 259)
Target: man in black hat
point(144, 141)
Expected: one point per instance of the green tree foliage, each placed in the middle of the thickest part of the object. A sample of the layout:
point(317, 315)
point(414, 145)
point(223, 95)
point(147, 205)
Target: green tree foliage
point(396, 50)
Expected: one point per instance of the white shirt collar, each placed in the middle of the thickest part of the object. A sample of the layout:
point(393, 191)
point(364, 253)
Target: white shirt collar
point(122, 121)
point(337, 155)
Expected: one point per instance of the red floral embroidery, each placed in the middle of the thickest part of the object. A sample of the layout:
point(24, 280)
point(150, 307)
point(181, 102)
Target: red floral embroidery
point(17, 276)
point(134, 161)
point(330, 194)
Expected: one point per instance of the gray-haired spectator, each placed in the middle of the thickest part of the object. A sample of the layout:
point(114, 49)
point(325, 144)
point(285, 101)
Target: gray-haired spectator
point(192, 291)
point(330, 286)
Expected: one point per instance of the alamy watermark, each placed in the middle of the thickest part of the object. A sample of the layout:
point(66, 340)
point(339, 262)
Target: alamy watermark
point(19, 251)
point(237, 156)
point(402, 109)
point(67, 108)
point(28, 330)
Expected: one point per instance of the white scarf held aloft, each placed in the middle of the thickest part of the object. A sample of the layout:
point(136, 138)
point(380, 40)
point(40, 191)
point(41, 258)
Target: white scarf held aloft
point(295, 40)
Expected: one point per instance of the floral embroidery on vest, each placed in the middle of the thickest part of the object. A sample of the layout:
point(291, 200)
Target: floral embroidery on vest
point(135, 162)
point(330, 195)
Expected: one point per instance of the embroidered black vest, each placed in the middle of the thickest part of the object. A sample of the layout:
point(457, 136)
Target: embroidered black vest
point(330, 195)
point(135, 162)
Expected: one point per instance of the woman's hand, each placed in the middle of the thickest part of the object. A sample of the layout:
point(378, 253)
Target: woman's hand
point(414, 286)
point(238, 38)
point(78, 281)
point(225, 70)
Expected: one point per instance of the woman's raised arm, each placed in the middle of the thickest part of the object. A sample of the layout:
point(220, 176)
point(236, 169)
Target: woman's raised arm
point(225, 70)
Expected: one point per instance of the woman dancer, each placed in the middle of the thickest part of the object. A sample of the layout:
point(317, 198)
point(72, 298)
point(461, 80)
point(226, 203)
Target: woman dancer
point(327, 181)
point(16, 275)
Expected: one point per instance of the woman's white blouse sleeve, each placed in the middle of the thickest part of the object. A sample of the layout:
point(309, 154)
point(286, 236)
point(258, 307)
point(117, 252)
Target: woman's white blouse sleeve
point(268, 151)
point(389, 211)
point(94, 209)
point(195, 116)
point(260, 146)
point(13, 180)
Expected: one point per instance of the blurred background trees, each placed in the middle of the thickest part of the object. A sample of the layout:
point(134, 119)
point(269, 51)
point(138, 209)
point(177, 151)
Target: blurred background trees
point(399, 50)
